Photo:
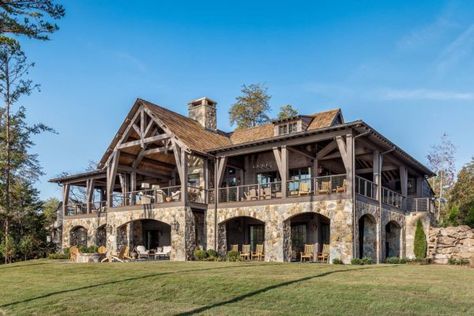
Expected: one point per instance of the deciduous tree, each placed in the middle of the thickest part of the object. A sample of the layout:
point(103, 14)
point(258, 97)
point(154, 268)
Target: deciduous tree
point(462, 197)
point(287, 111)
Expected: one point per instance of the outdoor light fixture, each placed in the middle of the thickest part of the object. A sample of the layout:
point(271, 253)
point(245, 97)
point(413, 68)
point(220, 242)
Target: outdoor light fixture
point(175, 225)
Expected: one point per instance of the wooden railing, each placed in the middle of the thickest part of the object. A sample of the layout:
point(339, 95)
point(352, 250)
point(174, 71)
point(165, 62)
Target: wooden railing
point(420, 204)
point(147, 196)
point(392, 198)
point(366, 187)
point(76, 208)
point(274, 190)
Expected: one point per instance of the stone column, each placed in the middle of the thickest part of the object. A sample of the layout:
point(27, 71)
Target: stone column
point(111, 239)
point(221, 239)
point(287, 241)
point(274, 239)
point(341, 231)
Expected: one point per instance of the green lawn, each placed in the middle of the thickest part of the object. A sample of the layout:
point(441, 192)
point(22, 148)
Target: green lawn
point(48, 287)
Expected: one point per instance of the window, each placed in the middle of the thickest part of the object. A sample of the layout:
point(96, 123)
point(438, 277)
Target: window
point(257, 235)
point(298, 176)
point(292, 127)
point(287, 128)
point(194, 180)
point(283, 129)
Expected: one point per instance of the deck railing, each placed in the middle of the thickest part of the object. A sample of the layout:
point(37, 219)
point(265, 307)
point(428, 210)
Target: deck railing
point(392, 198)
point(366, 187)
point(274, 190)
point(76, 208)
point(147, 196)
point(424, 204)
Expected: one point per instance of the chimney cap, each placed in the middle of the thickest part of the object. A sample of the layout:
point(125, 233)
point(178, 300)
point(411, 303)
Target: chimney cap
point(201, 101)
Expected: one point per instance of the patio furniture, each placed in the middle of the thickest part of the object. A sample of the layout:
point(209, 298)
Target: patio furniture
point(304, 189)
point(160, 196)
point(324, 255)
point(251, 195)
point(245, 254)
point(258, 252)
point(163, 252)
point(102, 250)
point(122, 256)
point(176, 196)
point(325, 188)
point(142, 252)
point(342, 188)
point(73, 253)
point(267, 193)
point(308, 253)
point(234, 248)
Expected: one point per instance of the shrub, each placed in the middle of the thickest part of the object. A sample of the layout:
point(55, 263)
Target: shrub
point(233, 256)
point(337, 261)
point(403, 261)
point(357, 261)
point(200, 254)
point(90, 249)
point(212, 253)
point(58, 255)
point(393, 260)
point(367, 260)
point(420, 241)
point(460, 262)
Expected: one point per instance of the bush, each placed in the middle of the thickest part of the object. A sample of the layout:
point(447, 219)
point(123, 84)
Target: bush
point(367, 260)
point(200, 255)
point(233, 256)
point(357, 261)
point(337, 261)
point(420, 241)
point(393, 260)
point(419, 261)
point(459, 262)
point(212, 253)
point(90, 249)
point(58, 255)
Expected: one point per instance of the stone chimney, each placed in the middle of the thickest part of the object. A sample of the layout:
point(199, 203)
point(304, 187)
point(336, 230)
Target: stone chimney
point(203, 110)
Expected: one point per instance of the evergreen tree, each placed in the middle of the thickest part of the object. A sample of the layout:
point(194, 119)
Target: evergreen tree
point(19, 167)
point(462, 197)
point(28, 17)
point(287, 111)
point(251, 108)
point(420, 245)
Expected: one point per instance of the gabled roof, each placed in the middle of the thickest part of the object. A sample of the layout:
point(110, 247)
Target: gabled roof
point(188, 131)
point(318, 120)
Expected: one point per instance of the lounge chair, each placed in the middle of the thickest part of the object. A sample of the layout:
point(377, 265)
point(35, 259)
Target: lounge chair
point(234, 248)
point(304, 189)
point(251, 195)
point(163, 252)
point(142, 252)
point(123, 255)
point(176, 196)
point(308, 253)
point(325, 188)
point(73, 253)
point(258, 252)
point(342, 188)
point(245, 254)
point(324, 255)
point(267, 193)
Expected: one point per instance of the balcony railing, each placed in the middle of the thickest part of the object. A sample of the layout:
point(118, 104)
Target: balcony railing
point(75, 208)
point(366, 187)
point(420, 204)
point(392, 198)
point(147, 196)
point(273, 190)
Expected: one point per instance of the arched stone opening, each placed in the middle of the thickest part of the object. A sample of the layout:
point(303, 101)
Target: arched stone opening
point(242, 230)
point(150, 233)
point(305, 229)
point(392, 239)
point(368, 237)
point(101, 236)
point(78, 236)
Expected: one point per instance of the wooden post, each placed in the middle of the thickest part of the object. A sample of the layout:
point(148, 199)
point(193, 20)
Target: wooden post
point(184, 178)
point(220, 169)
point(111, 174)
point(90, 194)
point(281, 159)
point(133, 187)
point(404, 184)
point(66, 189)
point(377, 173)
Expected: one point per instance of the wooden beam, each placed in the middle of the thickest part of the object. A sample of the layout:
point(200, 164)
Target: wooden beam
point(278, 160)
point(143, 141)
point(133, 186)
point(221, 164)
point(284, 175)
point(148, 173)
point(66, 190)
point(303, 152)
point(404, 180)
point(184, 179)
point(343, 149)
point(326, 150)
point(90, 194)
point(372, 170)
point(111, 174)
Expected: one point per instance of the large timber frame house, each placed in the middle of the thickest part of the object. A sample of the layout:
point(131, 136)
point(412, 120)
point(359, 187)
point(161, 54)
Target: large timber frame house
point(171, 180)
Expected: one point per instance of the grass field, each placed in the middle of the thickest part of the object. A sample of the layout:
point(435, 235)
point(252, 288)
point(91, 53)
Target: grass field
point(49, 287)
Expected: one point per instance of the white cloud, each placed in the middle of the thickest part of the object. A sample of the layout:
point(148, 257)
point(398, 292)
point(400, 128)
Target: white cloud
point(137, 63)
point(458, 50)
point(420, 37)
point(424, 94)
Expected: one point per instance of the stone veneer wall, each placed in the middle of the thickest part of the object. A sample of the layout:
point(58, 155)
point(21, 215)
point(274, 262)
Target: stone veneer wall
point(411, 220)
point(276, 218)
point(451, 242)
point(182, 239)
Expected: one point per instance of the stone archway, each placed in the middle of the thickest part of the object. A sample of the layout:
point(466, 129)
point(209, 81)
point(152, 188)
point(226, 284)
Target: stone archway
point(78, 236)
point(149, 233)
point(240, 230)
point(368, 237)
point(302, 229)
point(393, 239)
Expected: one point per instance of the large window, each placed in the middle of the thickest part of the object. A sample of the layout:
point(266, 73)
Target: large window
point(297, 176)
point(257, 235)
point(78, 236)
point(267, 177)
point(298, 237)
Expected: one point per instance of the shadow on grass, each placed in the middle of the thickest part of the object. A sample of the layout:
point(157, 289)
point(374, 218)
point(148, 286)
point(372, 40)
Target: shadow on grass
point(13, 266)
point(266, 289)
point(127, 280)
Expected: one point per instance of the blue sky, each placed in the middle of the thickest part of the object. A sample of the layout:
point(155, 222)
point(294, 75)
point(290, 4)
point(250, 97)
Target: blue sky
point(405, 67)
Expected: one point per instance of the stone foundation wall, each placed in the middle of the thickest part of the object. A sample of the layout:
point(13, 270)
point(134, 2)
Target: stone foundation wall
point(451, 242)
point(276, 218)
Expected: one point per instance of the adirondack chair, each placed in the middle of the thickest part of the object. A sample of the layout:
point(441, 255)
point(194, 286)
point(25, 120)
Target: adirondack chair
point(142, 252)
point(308, 253)
point(267, 193)
point(325, 188)
point(258, 254)
point(304, 188)
point(102, 250)
point(251, 195)
point(324, 255)
point(245, 253)
point(342, 188)
point(122, 256)
point(73, 253)
point(234, 248)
